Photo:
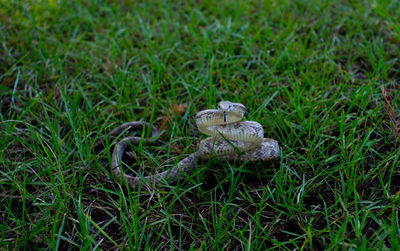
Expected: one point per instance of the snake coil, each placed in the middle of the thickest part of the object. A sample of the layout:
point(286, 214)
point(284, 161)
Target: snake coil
point(230, 139)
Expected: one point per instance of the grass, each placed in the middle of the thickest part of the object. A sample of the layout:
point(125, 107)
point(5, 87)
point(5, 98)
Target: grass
point(310, 72)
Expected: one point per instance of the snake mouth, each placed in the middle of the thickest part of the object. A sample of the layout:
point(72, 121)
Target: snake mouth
point(224, 116)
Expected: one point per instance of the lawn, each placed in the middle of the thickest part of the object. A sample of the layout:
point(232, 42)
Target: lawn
point(322, 77)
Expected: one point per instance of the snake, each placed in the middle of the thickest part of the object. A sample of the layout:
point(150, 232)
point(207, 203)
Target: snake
point(229, 139)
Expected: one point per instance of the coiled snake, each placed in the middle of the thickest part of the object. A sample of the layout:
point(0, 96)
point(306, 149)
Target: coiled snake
point(230, 139)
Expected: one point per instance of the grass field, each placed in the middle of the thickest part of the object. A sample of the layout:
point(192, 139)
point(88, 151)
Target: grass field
point(315, 74)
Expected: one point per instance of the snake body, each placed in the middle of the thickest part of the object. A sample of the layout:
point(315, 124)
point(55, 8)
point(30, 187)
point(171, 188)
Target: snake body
point(231, 139)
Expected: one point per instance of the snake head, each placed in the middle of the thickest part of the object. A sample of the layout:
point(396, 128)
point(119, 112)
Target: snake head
point(231, 109)
point(228, 106)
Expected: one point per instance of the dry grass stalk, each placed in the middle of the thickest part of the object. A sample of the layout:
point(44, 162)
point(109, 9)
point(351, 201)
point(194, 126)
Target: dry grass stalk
point(395, 128)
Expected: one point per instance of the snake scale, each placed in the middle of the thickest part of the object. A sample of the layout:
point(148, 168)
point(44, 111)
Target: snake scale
point(230, 139)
